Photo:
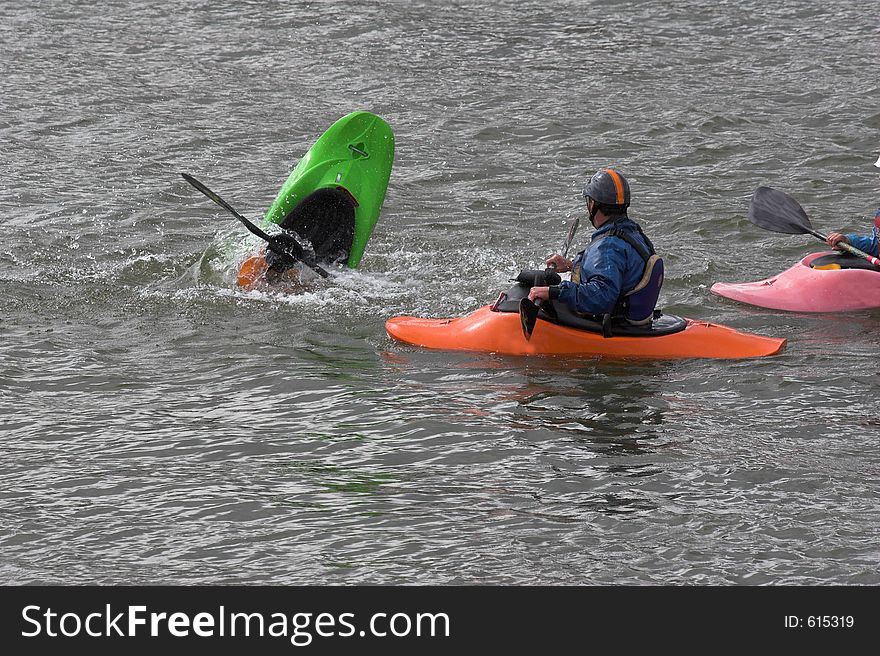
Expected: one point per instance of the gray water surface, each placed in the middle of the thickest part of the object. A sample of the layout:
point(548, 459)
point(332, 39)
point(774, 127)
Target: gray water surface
point(160, 425)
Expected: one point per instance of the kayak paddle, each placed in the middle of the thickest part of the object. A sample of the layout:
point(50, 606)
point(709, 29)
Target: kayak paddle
point(776, 211)
point(569, 238)
point(528, 316)
point(281, 244)
point(528, 310)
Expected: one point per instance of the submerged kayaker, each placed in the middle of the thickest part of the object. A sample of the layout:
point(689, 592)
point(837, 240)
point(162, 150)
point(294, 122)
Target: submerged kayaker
point(618, 274)
point(867, 243)
point(267, 269)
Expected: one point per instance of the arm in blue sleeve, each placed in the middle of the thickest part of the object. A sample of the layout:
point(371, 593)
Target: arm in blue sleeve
point(866, 243)
point(601, 279)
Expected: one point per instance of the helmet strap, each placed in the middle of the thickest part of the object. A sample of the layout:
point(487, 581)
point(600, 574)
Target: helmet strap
point(592, 209)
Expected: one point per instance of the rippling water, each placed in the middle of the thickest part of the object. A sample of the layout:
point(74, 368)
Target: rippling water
point(161, 426)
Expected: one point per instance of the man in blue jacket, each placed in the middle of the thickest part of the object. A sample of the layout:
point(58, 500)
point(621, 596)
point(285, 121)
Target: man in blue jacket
point(611, 265)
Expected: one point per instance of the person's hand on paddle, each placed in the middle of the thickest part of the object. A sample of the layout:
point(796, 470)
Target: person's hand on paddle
point(556, 261)
point(539, 293)
point(835, 238)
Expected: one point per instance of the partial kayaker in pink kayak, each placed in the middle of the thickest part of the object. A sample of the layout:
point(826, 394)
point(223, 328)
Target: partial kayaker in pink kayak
point(821, 282)
point(867, 243)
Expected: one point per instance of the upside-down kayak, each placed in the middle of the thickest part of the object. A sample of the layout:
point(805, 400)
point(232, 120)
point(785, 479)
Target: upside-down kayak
point(820, 282)
point(497, 329)
point(333, 196)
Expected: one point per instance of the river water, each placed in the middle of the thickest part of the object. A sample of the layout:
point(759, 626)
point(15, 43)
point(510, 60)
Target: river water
point(160, 425)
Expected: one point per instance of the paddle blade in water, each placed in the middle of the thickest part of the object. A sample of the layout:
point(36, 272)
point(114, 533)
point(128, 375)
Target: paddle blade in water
point(528, 316)
point(776, 211)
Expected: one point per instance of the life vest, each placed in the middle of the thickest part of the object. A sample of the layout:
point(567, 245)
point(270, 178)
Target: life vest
point(635, 306)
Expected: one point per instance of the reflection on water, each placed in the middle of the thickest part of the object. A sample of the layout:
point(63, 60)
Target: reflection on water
point(591, 425)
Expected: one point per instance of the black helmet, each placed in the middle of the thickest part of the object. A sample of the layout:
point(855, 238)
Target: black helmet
point(608, 188)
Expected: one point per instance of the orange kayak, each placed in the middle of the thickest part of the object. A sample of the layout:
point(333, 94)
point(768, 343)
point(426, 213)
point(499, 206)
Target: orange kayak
point(490, 331)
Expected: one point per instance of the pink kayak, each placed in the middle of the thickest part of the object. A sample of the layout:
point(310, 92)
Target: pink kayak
point(805, 289)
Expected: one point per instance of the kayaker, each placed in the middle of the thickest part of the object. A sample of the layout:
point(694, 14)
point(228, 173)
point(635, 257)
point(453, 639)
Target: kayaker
point(618, 274)
point(870, 244)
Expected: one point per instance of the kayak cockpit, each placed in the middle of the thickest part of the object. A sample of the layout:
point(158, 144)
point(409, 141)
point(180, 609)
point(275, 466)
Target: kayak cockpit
point(563, 315)
point(326, 220)
point(838, 261)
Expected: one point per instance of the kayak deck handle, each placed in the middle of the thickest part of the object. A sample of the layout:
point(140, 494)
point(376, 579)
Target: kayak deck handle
point(358, 149)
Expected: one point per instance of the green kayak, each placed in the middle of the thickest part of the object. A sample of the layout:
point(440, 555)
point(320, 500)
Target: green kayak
point(333, 195)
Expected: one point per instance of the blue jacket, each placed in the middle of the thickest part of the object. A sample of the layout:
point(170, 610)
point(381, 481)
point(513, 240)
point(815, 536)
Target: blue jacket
point(870, 244)
point(609, 267)
point(867, 243)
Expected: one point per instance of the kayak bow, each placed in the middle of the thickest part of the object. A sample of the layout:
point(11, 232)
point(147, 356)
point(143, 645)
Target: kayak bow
point(803, 288)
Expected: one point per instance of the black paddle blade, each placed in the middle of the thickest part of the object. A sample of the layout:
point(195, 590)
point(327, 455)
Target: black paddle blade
point(570, 238)
point(288, 252)
point(283, 252)
point(528, 316)
point(776, 211)
point(222, 203)
point(210, 194)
